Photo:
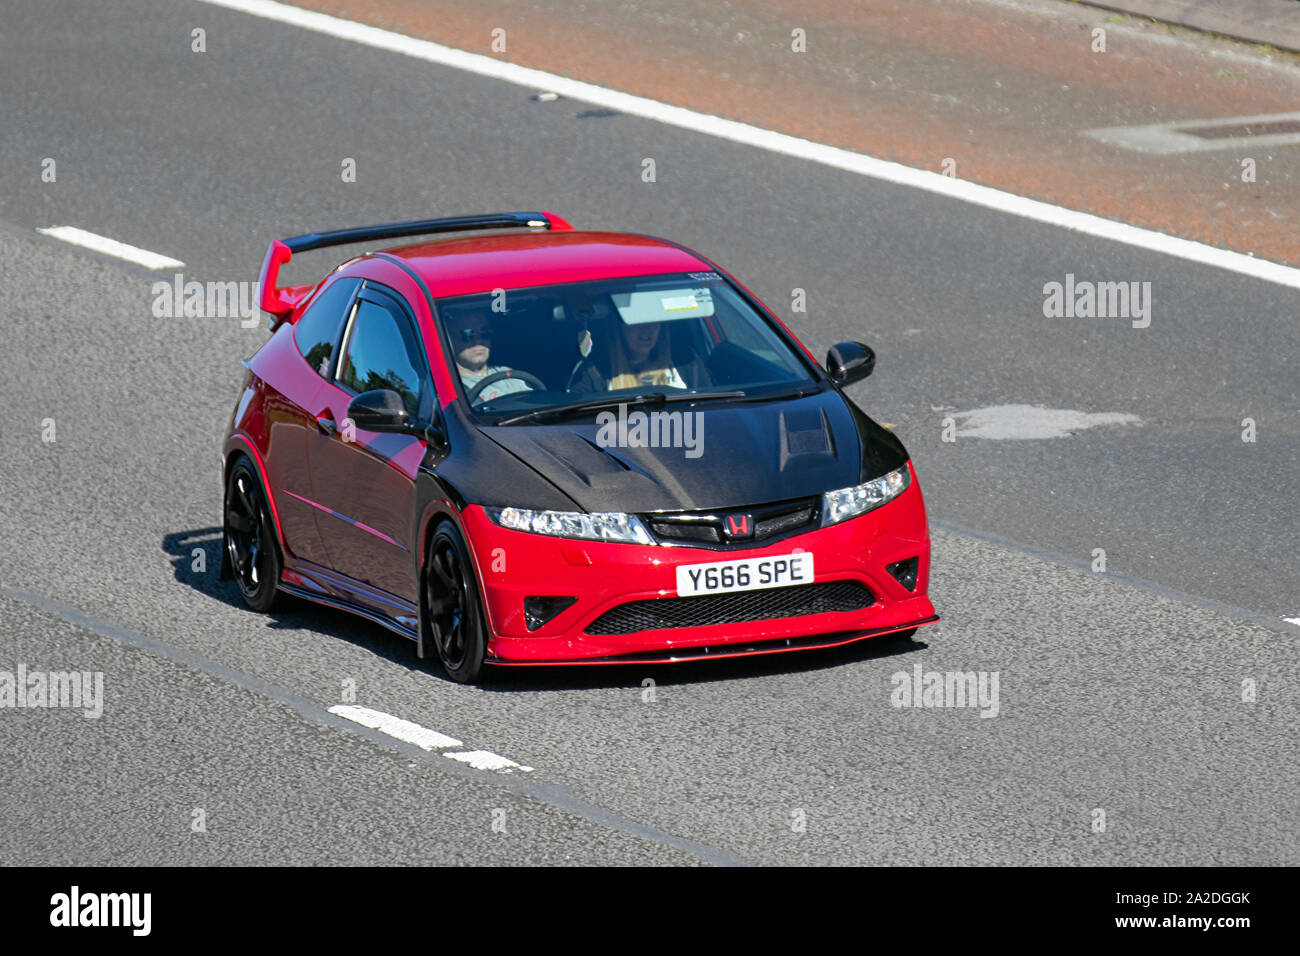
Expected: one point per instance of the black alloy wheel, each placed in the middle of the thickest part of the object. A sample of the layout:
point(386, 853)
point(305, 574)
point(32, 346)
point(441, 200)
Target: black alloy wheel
point(456, 624)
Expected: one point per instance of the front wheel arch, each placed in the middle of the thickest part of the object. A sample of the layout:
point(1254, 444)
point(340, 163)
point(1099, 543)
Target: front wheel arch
point(231, 460)
point(261, 599)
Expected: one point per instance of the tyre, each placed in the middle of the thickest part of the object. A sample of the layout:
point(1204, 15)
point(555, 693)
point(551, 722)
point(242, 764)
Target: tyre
point(249, 538)
point(457, 626)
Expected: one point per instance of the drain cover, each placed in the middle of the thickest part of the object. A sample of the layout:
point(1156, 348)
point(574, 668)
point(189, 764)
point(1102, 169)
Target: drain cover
point(1275, 129)
point(1243, 129)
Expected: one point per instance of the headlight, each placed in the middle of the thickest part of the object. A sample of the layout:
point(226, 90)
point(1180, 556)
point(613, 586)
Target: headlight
point(600, 526)
point(848, 503)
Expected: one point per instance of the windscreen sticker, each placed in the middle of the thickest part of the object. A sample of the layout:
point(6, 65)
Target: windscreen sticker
point(663, 305)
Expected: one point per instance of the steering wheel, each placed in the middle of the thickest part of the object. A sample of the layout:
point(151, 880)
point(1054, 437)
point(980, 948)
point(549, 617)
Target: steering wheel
point(532, 381)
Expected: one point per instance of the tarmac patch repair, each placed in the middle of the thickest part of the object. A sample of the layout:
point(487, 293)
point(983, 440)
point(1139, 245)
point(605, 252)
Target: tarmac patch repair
point(1002, 422)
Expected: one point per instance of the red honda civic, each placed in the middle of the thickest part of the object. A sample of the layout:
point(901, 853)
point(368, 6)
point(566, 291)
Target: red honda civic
point(550, 446)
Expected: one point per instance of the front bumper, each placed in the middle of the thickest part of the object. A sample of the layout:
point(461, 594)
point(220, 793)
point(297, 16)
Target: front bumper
point(513, 565)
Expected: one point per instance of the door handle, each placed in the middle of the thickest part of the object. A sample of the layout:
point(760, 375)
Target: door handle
point(326, 425)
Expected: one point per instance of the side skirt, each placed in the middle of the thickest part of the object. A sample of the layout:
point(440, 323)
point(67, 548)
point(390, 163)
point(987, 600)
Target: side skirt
point(357, 609)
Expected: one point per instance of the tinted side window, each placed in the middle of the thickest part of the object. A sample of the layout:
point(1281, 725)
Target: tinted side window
point(318, 329)
point(381, 353)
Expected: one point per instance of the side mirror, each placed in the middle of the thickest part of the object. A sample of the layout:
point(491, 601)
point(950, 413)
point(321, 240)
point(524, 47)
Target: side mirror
point(380, 410)
point(849, 362)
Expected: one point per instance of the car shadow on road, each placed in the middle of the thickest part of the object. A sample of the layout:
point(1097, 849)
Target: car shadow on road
point(195, 557)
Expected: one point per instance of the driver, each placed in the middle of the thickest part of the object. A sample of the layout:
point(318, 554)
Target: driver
point(471, 333)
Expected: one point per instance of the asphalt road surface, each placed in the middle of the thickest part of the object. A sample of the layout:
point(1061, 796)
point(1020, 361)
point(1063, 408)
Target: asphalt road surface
point(1145, 714)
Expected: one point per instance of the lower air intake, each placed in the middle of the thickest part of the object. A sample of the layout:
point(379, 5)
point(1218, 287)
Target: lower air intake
point(735, 608)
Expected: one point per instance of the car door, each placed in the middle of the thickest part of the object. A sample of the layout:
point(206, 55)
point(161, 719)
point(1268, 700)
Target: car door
point(366, 480)
point(293, 390)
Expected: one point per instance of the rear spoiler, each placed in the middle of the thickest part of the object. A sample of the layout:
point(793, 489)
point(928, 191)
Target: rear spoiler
point(280, 302)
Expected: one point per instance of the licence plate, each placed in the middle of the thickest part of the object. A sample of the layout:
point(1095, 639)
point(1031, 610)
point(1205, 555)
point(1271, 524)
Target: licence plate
point(747, 574)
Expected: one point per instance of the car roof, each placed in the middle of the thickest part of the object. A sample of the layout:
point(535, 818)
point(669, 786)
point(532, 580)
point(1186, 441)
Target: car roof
point(519, 260)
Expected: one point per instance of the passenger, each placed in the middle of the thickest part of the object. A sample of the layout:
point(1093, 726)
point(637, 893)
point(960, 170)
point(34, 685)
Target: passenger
point(636, 355)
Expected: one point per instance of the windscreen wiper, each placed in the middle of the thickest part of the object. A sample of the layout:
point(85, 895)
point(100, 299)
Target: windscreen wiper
point(591, 405)
point(803, 392)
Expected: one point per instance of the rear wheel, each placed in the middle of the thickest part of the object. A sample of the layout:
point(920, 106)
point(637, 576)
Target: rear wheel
point(456, 623)
point(249, 539)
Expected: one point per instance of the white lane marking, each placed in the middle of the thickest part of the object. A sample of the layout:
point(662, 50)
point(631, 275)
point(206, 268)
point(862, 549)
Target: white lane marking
point(1000, 422)
point(395, 727)
point(427, 739)
point(111, 247)
point(487, 760)
point(1292, 620)
point(844, 159)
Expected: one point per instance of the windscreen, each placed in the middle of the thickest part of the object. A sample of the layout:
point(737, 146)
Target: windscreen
point(520, 350)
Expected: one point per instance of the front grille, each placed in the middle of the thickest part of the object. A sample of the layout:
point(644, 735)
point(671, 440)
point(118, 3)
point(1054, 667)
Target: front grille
point(705, 528)
point(683, 531)
point(782, 523)
point(734, 608)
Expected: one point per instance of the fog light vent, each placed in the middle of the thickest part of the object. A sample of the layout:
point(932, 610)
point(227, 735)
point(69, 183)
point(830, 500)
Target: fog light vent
point(539, 610)
point(905, 572)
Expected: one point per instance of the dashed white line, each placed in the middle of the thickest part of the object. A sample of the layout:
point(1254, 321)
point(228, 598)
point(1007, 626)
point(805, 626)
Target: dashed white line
point(111, 247)
point(1292, 620)
point(844, 159)
point(395, 727)
point(487, 760)
point(426, 739)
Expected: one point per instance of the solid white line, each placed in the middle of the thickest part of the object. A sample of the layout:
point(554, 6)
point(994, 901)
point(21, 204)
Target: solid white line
point(767, 139)
point(487, 760)
point(395, 727)
point(111, 247)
